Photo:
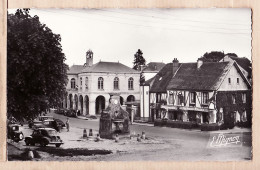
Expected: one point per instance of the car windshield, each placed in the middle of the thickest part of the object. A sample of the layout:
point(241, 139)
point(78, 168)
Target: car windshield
point(52, 132)
point(15, 128)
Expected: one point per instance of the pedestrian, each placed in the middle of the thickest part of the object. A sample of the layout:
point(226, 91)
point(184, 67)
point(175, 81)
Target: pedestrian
point(68, 125)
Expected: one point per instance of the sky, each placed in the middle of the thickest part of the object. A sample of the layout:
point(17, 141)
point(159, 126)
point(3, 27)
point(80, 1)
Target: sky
point(162, 34)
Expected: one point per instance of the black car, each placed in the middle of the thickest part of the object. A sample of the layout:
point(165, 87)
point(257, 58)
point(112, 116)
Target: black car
point(60, 122)
point(54, 124)
point(44, 137)
point(14, 133)
point(70, 113)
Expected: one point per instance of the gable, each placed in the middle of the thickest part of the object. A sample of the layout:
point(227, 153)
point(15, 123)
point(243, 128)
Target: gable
point(232, 76)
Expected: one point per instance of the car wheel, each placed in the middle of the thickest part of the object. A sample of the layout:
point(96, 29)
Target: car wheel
point(27, 142)
point(58, 145)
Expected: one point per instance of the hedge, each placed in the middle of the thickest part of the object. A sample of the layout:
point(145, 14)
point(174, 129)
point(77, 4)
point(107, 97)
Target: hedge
point(209, 127)
point(181, 124)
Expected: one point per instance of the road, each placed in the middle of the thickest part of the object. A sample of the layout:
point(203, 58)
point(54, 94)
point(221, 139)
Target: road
point(184, 144)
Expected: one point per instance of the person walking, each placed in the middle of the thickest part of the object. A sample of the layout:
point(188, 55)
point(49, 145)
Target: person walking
point(68, 125)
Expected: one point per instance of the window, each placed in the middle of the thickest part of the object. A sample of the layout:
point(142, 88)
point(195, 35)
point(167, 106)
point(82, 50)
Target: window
point(205, 97)
point(244, 97)
point(100, 83)
point(86, 82)
point(116, 83)
point(237, 80)
point(80, 82)
point(192, 98)
point(180, 99)
point(73, 83)
point(130, 83)
point(233, 98)
point(171, 98)
point(229, 80)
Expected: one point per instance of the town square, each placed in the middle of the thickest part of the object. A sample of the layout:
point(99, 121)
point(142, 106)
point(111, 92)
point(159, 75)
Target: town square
point(129, 85)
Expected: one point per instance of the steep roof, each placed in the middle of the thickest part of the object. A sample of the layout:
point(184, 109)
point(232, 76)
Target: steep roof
point(207, 77)
point(108, 67)
point(244, 63)
point(154, 66)
point(162, 78)
point(75, 69)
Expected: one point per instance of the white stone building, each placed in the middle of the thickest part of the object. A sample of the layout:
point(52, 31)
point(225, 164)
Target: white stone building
point(90, 86)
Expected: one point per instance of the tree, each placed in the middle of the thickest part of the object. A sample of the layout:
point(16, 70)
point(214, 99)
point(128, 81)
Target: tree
point(214, 56)
point(36, 72)
point(138, 61)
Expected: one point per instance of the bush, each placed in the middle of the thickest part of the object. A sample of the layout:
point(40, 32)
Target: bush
point(209, 127)
point(181, 124)
point(160, 122)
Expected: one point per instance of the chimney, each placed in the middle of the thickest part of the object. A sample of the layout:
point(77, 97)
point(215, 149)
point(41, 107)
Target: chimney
point(199, 63)
point(175, 64)
point(142, 67)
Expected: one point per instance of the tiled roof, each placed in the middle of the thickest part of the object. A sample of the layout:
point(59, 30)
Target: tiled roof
point(108, 67)
point(75, 69)
point(162, 78)
point(207, 77)
point(154, 66)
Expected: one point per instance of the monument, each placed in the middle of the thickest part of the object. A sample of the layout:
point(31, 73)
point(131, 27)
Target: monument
point(113, 116)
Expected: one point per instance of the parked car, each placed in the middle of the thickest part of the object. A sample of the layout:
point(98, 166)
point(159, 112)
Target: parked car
point(70, 113)
point(42, 118)
point(61, 111)
point(38, 122)
point(54, 124)
point(44, 137)
point(60, 122)
point(14, 133)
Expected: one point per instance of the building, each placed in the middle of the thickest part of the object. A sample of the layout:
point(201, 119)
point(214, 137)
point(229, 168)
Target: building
point(151, 69)
point(209, 92)
point(90, 86)
point(244, 64)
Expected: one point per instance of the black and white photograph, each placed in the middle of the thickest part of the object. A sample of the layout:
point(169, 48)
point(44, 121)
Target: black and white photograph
point(129, 84)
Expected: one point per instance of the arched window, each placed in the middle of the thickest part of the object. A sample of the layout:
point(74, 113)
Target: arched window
point(73, 83)
point(130, 83)
point(116, 83)
point(100, 83)
point(86, 82)
point(80, 82)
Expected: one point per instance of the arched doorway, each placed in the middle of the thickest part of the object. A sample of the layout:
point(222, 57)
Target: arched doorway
point(76, 101)
point(121, 100)
point(81, 104)
point(100, 104)
point(130, 98)
point(70, 100)
point(86, 102)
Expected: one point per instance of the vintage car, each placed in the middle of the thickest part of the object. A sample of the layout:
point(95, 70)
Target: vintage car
point(39, 121)
point(70, 113)
point(54, 124)
point(61, 111)
point(14, 133)
point(44, 137)
point(60, 122)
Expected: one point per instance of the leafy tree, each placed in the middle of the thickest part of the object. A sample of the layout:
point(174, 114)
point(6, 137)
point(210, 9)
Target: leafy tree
point(138, 61)
point(232, 54)
point(36, 72)
point(214, 56)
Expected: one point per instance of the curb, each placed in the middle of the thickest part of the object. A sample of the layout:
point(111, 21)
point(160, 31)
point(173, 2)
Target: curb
point(143, 124)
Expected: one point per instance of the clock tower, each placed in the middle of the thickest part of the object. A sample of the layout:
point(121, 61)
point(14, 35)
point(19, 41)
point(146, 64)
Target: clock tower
point(89, 58)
